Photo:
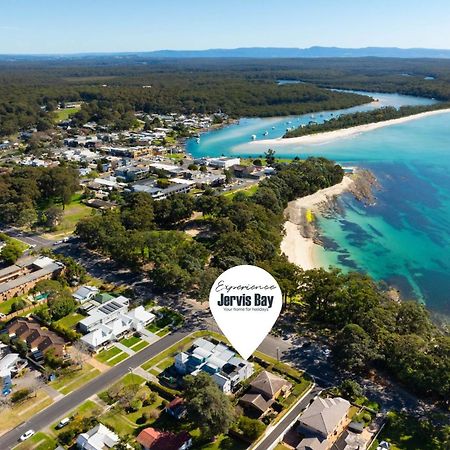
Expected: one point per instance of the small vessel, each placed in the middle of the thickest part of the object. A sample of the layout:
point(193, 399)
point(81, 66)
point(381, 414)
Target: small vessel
point(253, 137)
point(273, 128)
point(198, 140)
point(312, 116)
point(265, 133)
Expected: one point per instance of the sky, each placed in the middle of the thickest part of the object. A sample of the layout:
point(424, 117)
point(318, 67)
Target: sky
point(62, 26)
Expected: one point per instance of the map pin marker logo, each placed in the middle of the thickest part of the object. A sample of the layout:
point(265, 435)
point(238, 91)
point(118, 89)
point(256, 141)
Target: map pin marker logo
point(245, 302)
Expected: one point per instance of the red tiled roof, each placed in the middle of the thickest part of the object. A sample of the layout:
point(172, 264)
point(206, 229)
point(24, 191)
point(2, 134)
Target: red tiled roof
point(148, 436)
point(162, 440)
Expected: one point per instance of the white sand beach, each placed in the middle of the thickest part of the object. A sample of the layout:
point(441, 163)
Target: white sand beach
point(300, 249)
point(321, 138)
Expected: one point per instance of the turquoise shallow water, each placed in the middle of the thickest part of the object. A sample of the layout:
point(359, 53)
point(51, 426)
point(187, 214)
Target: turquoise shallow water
point(237, 138)
point(403, 239)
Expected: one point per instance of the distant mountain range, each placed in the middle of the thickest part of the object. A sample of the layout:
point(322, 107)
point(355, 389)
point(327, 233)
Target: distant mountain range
point(312, 52)
point(260, 52)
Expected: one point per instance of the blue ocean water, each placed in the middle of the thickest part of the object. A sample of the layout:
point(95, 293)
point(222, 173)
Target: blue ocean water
point(404, 238)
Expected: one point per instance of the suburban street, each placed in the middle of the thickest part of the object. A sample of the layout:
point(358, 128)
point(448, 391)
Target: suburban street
point(72, 400)
point(30, 238)
point(310, 356)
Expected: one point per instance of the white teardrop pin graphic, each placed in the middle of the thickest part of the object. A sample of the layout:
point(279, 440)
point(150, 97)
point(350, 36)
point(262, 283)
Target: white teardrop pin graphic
point(245, 302)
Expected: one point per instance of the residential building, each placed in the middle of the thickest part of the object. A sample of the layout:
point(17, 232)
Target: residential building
point(104, 313)
point(97, 438)
point(264, 390)
point(10, 363)
point(112, 320)
point(152, 439)
point(85, 293)
point(218, 360)
point(39, 339)
point(19, 278)
point(158, 193)
point(176, 408)
point(322, 422)
point(218, 163)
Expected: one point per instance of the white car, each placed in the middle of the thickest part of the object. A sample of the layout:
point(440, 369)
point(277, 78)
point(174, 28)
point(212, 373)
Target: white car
point(26, 435)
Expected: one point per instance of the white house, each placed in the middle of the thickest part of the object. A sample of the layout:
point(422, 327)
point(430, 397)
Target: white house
point(217, 360)
point(97, 438)
point(85, 293)
point(112, 320)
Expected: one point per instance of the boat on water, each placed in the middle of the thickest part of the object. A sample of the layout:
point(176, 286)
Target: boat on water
point(273, 128)
point(265, 133)
point(198, 140)
point(253, 137)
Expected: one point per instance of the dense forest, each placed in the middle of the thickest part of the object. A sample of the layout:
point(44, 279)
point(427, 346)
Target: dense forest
point(112, 88)
point(30, 194)
point(30, 92)
point(362, 118)
point(368, 329)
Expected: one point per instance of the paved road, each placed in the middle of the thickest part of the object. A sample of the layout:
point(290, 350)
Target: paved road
point(282, 426)
point(29, 238)
point(70, 401)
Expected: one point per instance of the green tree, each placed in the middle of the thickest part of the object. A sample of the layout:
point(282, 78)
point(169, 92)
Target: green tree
point(208, 407)
point(11, 252)
point(353, 349)
point(251, 428)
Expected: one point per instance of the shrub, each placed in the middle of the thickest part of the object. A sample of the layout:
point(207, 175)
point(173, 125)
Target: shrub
point(19, 395)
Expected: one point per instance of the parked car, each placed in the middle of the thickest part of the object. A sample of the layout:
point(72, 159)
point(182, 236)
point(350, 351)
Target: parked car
point(26, 435)
point(63, 423)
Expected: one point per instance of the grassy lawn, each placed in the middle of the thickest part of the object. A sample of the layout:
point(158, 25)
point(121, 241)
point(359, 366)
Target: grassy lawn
point(87, 409)
point(74, 212)
point(104, 355)
point(72, 380)
point(126, 423)
point(129, 342)
point(281, 447)
point(39, 441)
point(111, 356)
point(5, 307)
point(248, 191)
point(175, 155)
point(223, 443)
point(118, 359)
point(64, 114)
point(139, 346)
point(71, 320)
point(11, 417)
point(166, 363)
point(128, 379)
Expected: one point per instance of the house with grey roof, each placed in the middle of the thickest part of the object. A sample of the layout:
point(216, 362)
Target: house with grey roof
point(217, 360)
point(84, 294)
point(322, 422)
point(264, 390)
point(97, 438)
